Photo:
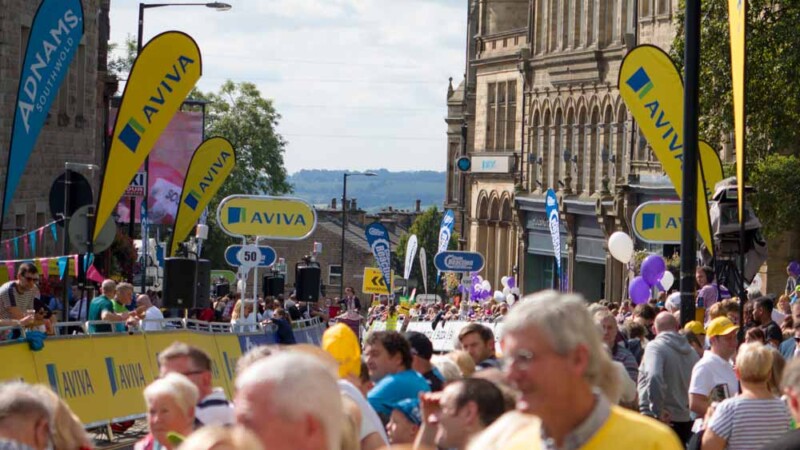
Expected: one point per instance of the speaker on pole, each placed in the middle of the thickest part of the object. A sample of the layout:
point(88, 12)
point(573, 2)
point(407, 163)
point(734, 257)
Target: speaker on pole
point(178, 282)
point(273, 285)
point(307, 283)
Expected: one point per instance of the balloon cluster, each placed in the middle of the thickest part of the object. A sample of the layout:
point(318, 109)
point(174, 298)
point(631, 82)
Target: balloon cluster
point(654, 271)
point(481, 289)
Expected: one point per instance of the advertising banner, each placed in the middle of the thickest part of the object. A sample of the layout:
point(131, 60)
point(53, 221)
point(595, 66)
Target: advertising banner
point(737, 19)
point(652, 90)
point(712, 167)
point(211, 164)
point(55, 33)
point(128, 372)
point(282, 218)
point(169, 162)
point(378, 240)
point(658, 222)
point(458, 262)
point(445, 231)
point(374, 283)
point(411, 253)
point(163, 74)
point(22, 369)
point(551, 211)
point(423, 264)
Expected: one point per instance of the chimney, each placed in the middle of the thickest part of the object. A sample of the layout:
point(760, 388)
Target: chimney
point(333, 203)
point(353, 205)
point(418, 205)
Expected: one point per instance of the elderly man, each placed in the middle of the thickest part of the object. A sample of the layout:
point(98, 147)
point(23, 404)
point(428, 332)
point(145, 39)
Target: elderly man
point(195, 364)
point(148, 312)
point(291, 402)
point(102, 308)
point(16, 296)
point(664, 377)
point(555, 357)
point(25, 418)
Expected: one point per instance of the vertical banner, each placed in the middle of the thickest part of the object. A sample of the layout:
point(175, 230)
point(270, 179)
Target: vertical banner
point(378, 239)
point(163, 74)
point(211, 164)
point(423, 265)
point(551, 211)
point(445, 231)
point(411, 253)
point(737, 10)
point(712, 167)
point(55, 33)
point(652, 90)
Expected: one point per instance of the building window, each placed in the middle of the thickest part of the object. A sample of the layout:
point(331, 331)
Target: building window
point(334, 275)
point(501, 116)
point(644, 9)
point(40, 217)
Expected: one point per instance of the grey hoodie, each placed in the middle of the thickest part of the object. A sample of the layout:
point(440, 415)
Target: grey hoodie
point(664, 377)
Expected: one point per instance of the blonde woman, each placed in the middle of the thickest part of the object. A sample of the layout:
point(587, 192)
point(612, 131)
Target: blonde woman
point(244, 317)
point(68, 431)
point(171, 403)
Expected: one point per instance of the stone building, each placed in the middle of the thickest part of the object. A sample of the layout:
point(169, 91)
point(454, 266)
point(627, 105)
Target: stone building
point(542, 110)
point(74, 128)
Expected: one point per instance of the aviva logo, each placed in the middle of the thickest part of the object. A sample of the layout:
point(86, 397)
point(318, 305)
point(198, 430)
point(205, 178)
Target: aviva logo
point(70, 383)
point(230, 365)
point(239, 215)
point(193, 198)
point(125, 376)
point(131, 135)
point(640, 82)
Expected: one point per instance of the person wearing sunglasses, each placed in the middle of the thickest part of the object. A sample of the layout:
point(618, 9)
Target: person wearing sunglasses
point(17, 296)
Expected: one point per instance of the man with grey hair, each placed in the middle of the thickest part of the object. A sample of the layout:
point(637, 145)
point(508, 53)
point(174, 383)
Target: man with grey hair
point(554, 355)
point(26, 418)
point(102, 308)
point(664, 377)
point(291, 402)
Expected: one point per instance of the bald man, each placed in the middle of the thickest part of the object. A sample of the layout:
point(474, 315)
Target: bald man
point(664, 377)
point(147, 312)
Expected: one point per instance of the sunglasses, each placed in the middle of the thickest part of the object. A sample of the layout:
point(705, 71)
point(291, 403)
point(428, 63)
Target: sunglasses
point(32, 279)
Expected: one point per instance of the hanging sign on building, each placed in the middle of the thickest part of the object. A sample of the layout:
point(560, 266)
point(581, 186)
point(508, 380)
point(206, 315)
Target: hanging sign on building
point(658, 222)
point(491, 164)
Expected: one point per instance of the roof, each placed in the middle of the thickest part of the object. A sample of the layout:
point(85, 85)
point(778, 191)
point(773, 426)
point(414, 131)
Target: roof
point(355, 234)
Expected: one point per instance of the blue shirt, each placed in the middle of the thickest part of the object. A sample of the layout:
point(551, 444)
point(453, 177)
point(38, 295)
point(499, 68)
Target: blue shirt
point(395, 387)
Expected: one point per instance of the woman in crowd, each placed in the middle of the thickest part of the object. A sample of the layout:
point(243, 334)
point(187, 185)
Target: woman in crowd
point(68, 431)
point(758, 415)
point(170, 409)
point(247, 319)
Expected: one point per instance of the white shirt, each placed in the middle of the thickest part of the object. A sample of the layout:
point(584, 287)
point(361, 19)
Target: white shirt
point(152, 313)
point(370, 422)
point(215, 409)
point(714, 378)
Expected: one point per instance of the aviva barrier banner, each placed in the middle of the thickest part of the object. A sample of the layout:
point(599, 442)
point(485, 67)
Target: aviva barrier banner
point(378, 239)
point(163, 74)
point(55, 34)
point(652, 89)
point(211, 164)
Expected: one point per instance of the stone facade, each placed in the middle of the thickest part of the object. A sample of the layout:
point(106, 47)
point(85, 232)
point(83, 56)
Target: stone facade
point(74, 128)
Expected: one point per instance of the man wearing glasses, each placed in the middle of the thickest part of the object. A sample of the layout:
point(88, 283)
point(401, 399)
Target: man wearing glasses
point(17, 296)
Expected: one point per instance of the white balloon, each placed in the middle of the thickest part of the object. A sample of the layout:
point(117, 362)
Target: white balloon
point(504, 281)
point(667, 280)
point(620, 246)
point(499, 296)
point(515, 291)
point(506, 291)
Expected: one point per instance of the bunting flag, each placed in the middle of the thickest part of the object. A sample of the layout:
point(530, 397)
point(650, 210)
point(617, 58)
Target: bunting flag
point(8, 249)
point(88, 259)
point(10, 268)
point(32, 241)
point(62, 266)
point(41, 235)
point(54, 231)
point(76, 262)
point(25, 245)
point(94, 275)
point(16, 248)
point(45, 267)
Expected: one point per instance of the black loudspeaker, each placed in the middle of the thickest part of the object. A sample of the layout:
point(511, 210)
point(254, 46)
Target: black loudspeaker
point(273, 285)
point(307, 282)
point(179, 278)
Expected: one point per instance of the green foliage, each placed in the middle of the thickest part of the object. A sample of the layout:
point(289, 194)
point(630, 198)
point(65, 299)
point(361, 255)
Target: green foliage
point(775, 202)
point(426, 227)
point(773, 62)
point(120, 64)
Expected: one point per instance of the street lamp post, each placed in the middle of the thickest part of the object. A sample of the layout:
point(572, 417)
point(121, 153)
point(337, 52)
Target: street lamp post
point(344, 225)
point(139, 34)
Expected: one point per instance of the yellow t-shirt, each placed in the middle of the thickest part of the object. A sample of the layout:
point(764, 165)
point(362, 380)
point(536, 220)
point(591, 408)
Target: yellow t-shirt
point(624, 429)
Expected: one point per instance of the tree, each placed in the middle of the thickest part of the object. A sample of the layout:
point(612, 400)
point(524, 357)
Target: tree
point(772, 96)
point(426, 227)
point(120, 65)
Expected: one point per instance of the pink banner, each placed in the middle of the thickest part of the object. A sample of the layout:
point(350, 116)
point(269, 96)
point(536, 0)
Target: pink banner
point(169, 161)
point(77, 266)
point(11, 273)
point(94, 275)
point(41, 236)
point(45, 267)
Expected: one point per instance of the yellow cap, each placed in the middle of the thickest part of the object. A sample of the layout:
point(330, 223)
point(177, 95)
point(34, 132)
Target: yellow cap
point(720, 327)
point(695, 327)
point(342, 343)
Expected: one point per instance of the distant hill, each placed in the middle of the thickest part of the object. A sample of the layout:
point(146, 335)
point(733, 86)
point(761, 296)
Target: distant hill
point(399, 190)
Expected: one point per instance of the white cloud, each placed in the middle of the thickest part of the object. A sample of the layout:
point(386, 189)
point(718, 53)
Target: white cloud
point(360, 83)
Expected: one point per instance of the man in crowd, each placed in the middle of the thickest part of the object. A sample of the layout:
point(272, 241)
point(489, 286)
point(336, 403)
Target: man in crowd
point(102, 308)
point(713, 378)
point(26, 419)
point(421, 354)
point(80, 308)
point(122, 299)
point(291, 402)
point(350, 301)
point(664, 377)
point(791, 389)
point(555, 358)
point(388, 358)
point(763, 316)
point(789, 347)
point(17, 296)
point(464, 409)
point(195, 364)
point(478, 341)
point(147, 312)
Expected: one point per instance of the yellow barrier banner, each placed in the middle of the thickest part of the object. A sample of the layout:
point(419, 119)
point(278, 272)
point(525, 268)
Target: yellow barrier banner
point(212, 162)
point(737, 21)
point(207, 343)
point(156, 342)
point(128, 372)
point(229, 351)
point(652, 89)
point(163, 74)
point(17, 363)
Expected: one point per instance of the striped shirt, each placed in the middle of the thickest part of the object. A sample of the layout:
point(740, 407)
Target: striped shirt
point(750, 423)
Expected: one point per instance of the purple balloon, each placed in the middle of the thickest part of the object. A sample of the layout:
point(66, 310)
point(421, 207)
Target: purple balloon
point(511, 282)
point(653, 268)
point(639, 291)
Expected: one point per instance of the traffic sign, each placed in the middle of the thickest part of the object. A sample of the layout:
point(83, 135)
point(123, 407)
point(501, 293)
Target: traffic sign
point(374, 283)
point(464, 164)
point(460, 262)
point(268, 256)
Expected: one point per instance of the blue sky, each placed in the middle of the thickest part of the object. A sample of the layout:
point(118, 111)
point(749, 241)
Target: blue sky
point(361, 84)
